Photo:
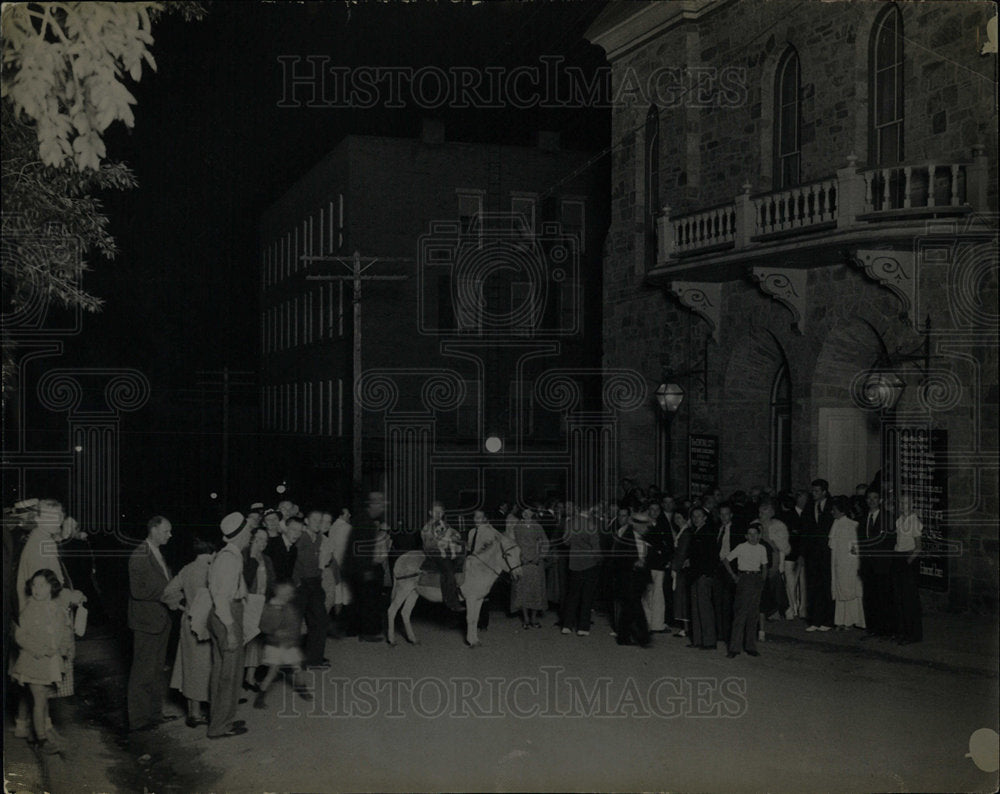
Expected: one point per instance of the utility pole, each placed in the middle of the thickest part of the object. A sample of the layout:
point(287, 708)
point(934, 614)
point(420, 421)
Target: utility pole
point(227, 379)
point(356, 275)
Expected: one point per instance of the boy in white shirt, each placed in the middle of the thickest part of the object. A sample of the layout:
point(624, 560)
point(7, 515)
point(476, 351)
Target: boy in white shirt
point(751, 560)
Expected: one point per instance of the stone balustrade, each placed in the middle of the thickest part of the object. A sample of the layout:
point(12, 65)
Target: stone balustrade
point(854, 197)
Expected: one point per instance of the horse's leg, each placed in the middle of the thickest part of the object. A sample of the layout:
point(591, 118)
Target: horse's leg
point(398, 597)
point(473, 606)
point(408, 604)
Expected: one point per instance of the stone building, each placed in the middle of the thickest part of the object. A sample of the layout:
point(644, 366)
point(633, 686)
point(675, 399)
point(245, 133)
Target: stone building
point(480, 256)
point(804, 194)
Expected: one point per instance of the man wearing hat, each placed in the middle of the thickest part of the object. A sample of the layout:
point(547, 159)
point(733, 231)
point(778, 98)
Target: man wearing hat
point(228, 590)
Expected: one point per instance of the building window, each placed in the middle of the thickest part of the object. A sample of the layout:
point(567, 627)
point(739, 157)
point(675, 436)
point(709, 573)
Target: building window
point(651, 197)
point(445, 309)
point(788, 112)
point(469, 309)
point(781, 426)
point(569, 308)
point(887, 88)
point(523, 210)
point(340, 407)
point(521, 408)
point(522, 308)
point(470, 209)
point(340, 311)
point(340, 221)
point(572, 216)
point(467, 417)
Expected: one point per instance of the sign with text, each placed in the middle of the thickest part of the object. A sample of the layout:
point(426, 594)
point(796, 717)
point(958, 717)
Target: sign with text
point(917, 457)
point(703, 464)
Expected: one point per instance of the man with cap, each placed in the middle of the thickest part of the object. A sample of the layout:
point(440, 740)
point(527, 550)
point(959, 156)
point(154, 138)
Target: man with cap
point(228, 590)
point(364, 568)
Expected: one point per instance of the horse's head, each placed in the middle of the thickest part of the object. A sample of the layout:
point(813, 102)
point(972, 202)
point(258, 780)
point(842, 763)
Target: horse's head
point(511, 555)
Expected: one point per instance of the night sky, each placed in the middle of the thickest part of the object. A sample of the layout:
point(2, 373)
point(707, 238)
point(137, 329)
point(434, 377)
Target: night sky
point(211, 150)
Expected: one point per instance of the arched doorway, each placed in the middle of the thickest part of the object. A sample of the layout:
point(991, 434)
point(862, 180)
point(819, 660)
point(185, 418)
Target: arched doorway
point(756, 422)
point(847, 437)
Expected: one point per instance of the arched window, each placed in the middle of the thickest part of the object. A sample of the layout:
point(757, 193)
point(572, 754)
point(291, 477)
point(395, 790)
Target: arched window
point(787, 110)
point(781, 430)
point(887, 88)
point(651, 199)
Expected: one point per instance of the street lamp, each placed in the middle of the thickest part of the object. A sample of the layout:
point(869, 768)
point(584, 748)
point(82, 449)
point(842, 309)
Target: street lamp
point(669, 397)
point(883, 387)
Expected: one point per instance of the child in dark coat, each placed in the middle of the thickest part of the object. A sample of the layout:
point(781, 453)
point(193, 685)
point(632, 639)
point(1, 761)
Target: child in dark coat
point(281, 625)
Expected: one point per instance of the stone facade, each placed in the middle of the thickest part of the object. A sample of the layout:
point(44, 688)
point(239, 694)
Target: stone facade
point(716, 144)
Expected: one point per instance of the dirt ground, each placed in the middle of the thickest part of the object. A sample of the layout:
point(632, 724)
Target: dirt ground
point(539, 711)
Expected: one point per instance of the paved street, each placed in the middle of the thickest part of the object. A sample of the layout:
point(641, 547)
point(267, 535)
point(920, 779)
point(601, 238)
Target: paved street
point(804, 716)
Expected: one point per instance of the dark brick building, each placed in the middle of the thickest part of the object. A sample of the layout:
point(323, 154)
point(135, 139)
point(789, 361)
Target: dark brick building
point(805, 193)
point(497, 250)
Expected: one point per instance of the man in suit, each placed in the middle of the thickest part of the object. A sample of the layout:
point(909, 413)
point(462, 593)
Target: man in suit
point(363, 561)
point(631, 579)
point(149, 620)
point(307, 578)
point(876, 541)
point(727, 538)
point(282, 549)
point(817, 520)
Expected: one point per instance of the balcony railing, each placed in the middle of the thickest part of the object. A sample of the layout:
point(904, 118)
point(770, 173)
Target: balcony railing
point(852, 198)
point(796, 208)
point(706, 229)
point(910, 187)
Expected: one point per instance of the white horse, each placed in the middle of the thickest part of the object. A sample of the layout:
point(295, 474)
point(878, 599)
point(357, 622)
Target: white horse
point(491, 553)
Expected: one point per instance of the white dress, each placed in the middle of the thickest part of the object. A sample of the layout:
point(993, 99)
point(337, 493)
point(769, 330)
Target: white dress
point(845, 584)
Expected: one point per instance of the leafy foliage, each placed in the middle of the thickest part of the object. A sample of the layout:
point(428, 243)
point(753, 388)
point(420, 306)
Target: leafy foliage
point(47, 202)
point(65, 66)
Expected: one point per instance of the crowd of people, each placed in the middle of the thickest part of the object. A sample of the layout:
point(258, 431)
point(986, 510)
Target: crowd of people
point(262, 593)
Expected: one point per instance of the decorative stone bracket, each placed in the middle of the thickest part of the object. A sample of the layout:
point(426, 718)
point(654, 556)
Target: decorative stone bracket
point(787, 286)
point(703, 298)
point(895, 270)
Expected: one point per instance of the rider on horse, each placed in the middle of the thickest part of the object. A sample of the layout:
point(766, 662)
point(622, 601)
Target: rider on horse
point(443, 546)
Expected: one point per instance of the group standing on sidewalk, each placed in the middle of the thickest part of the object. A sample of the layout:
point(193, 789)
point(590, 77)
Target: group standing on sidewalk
point(705, 569)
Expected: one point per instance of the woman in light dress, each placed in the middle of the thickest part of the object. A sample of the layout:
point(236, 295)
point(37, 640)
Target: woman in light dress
point(193, 663)
point(845, 584)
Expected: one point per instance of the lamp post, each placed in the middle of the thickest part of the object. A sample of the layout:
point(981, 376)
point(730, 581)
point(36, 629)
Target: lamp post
point(883, 387)
point(669, 397)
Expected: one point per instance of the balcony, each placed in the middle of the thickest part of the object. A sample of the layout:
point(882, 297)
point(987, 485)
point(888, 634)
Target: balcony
point(853, 203)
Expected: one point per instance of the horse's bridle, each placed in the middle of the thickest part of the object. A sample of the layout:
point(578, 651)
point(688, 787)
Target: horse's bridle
point(503, 553)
